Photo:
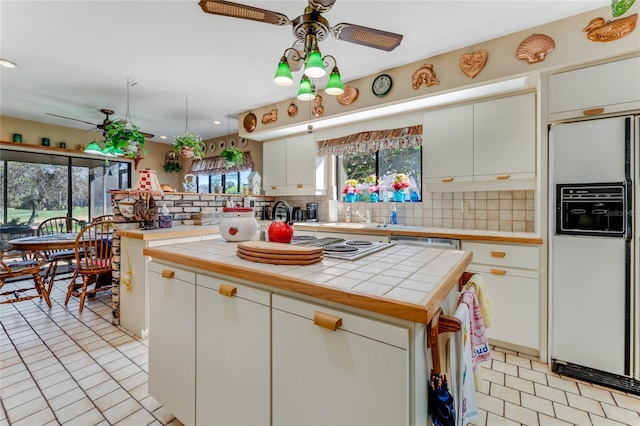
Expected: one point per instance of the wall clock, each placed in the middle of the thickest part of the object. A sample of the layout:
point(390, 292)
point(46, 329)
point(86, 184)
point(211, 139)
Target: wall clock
point(381, 85)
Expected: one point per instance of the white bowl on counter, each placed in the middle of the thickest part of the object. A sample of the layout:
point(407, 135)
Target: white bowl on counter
point(238, 223)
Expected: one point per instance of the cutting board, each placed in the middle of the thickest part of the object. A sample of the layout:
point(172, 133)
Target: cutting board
point(278, 253)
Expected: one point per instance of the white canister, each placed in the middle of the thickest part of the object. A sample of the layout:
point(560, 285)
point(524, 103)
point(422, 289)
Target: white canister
point(238, 223)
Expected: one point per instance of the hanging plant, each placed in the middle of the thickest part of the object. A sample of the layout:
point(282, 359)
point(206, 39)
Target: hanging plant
point(188, 144)
point(232, 157)
point(124, 137)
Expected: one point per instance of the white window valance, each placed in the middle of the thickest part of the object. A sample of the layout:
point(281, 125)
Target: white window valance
point(372, 141)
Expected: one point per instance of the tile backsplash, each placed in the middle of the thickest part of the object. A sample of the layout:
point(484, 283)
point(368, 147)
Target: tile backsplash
point(487, 210)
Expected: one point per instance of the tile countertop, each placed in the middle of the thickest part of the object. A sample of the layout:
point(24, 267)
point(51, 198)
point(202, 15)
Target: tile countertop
point(419, 231)
point(173, 232)
point(402, 281)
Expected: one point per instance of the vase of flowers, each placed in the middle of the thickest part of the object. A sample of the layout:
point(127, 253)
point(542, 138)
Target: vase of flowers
point(399, 185)
point(350, 190)
point(374, 187)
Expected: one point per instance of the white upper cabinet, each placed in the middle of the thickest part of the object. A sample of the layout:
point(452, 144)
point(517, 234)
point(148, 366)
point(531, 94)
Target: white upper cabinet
point(291, 167)
point(504, 138)
point(488, 145)
point(600, 89)
point(447, 153)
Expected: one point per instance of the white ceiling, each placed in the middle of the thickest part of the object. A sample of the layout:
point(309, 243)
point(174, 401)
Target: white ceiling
point(75, 57)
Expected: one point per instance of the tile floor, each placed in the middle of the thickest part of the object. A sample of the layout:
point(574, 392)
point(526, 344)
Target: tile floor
point(60, 367)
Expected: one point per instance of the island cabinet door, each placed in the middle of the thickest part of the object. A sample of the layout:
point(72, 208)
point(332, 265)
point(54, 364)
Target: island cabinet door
point(172, 339)
point(233, 353)
point(357, 374)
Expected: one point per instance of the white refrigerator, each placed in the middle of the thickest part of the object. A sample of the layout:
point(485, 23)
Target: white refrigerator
point(594, 296)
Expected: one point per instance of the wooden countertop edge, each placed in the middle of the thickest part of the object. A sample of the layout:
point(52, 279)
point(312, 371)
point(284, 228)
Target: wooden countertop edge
point(141, 235)
point(393, 308)
point(414, 233)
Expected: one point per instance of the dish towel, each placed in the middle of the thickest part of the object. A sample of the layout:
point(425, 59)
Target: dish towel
point(479, 344)
point(484, 300)
point(462, 385)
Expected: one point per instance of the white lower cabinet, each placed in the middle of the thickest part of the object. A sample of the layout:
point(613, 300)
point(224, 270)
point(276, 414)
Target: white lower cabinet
point(233, 384)
point(355, 375)
point(172, 339)
point(512, 275)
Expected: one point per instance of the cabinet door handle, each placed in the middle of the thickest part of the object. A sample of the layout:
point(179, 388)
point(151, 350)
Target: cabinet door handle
point(498, 271)
point(168, 273)
point(227, 290)
point(330, 322)
point(299, 186)
point(503, 177)
point(593, 111)
point(447, 179)
point(498, 254)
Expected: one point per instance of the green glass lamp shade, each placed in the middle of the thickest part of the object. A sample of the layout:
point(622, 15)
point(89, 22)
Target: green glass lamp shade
point(305, 93)
point(314, 67)
point(110, 151)
point(334, 86)
point(93, 148)
point(283, 75)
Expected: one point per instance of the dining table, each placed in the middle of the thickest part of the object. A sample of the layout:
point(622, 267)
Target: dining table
point(61, 241)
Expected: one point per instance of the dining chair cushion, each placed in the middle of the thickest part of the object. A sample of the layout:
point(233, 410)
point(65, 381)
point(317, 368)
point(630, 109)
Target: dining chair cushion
point(60, 255)
point(93, 264)
point(18, 266)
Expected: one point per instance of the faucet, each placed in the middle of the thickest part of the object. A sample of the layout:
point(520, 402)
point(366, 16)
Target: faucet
point(366, 218)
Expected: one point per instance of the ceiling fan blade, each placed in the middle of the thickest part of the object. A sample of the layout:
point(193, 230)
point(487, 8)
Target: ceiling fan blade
point(147, 135)
point(371, 37)
point(235, 10)
point(69, 118)
point(321, 5)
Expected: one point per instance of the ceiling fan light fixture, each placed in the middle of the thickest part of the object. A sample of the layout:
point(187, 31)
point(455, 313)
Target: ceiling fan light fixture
point(93, 148)
point(283, 75)
point(334, 85)
point(305, 93)
point(314, 66)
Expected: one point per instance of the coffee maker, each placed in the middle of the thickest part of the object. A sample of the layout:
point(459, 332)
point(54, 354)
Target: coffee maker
point(312, 212)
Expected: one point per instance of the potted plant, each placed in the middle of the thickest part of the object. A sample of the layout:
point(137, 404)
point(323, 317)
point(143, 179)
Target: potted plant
point(172, 166)
point(232, 157)
point(124, 137)
point(189, 145)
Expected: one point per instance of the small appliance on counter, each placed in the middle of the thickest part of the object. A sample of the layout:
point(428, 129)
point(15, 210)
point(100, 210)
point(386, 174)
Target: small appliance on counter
point(312, 212)
point(299, 215)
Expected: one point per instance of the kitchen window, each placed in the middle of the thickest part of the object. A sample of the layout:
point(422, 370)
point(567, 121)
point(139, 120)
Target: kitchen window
point(384, 164)
point(231, 183)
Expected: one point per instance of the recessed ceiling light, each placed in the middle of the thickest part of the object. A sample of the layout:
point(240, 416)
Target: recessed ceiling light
point(7, 64)
point(163, 137)
point(216, 122)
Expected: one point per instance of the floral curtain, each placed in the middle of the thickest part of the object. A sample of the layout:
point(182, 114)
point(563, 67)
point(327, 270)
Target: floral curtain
point(217, 165)
point(403, 137)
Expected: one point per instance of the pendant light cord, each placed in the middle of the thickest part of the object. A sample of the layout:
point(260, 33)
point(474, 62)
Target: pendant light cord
point(127, 117)
point(186, 114)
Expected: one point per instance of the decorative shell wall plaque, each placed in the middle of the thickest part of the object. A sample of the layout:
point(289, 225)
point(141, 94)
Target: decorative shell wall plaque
point(250, 121)
point(600, 30)
point(270, 117)
point(292, 110)
point(472, 63)
point(318, 109)
point(349, 96)
point(535, 48)
point(425, 75)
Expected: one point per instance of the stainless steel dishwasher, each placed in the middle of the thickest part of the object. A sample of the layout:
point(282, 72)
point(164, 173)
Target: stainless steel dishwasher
point(441, 243)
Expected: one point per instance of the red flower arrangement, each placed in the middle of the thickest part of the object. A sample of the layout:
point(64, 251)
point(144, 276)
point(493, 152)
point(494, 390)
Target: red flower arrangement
point(350, 186)
point(400, 181)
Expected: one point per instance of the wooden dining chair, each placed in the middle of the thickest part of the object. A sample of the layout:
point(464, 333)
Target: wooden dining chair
point(103, 218)
point(27, 264)
point(57, 225)
point(92, 261)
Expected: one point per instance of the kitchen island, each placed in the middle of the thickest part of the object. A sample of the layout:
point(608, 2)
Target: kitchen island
point(336, 342)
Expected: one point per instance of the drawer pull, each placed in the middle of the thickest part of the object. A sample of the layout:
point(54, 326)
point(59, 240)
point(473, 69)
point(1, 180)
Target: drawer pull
point(299, 186)
point(498, 271)
point(168, 273)
point(447, 179)
point(273, 187)
point(330, 322)
point(227, 290)
point(503, 177)
point(593, 111)
point(498, 254)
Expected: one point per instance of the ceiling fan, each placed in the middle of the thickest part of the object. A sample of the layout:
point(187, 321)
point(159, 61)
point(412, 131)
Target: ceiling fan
point(99, 126)
point(310, 22)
